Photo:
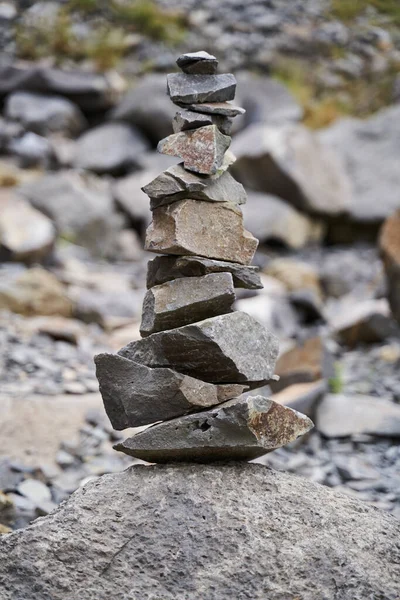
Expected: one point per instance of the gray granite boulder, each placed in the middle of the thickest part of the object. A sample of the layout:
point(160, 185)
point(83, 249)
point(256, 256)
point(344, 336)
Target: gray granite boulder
point(199, 63)
point(232, 348)
point(192, 89)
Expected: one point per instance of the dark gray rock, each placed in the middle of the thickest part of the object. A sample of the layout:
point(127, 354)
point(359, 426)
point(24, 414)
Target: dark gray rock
point(135, 395)
point(176, 184)
point(111, 148)
point(166, 268)
point(186, 300)
point(329, 545)
point(199, 63)
point(363, 322)
point(241, 429)
point(230, 348)
point(225, 109)
point(202, 150)
point(193, 89)
point(188, 119)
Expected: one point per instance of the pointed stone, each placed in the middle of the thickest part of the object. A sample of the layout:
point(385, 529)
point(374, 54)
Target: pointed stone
point(202, 150)
point(209, 229)
point(193, 89)
point(225, 109)
point(188, 119)
point(198, 63)
point(166, 268)
point(176, 184)
point(187, 300)
point(232, 348)
point(136, 395)
point(241, 429)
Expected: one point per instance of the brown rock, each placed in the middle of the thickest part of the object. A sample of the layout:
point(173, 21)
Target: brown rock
point(303, 397)
point(389, 243)
point(212, 230)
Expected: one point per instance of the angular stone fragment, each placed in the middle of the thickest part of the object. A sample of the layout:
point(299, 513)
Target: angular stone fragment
point(176, 184)
point(193, 89)
point(166, 268)
point(186, 300)
point(202, 150)
point(188, 119)
point(226, 109)
point(240, 429)
point(135, 395)
point(230, 348)
point(198, 63)
point(209, 229)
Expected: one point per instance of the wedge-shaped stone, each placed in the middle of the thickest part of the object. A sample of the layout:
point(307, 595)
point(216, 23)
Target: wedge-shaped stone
point(166, 268)
point(226, 109)
point(187, 300)
point(209, 229)
point(230, 348)
point(241, 429)
point(176, 184)
point(202, 150)
point(190, 89)
point(135, 395)
point(188, 119)
point(198, 63)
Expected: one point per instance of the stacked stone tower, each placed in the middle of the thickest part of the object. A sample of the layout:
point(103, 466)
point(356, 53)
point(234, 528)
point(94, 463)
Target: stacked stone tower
point(197, 358)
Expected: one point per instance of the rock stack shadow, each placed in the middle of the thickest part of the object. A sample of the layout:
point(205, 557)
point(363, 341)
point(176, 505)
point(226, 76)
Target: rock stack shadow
point(190, 372)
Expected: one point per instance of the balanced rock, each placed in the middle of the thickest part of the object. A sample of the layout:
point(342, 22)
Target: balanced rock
point(192, 89)
point(243, 429)
point(188, 119)
point(199, 63)
point(225, 109)
point(231, 348)
point(135, 395)
point(202, 150)
point(390, 251)
point(177, 184)
point(166, 268)
point(209, 229)
point(186, 300)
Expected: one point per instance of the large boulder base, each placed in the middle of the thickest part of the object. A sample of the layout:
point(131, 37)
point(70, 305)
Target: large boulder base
point(204, 532)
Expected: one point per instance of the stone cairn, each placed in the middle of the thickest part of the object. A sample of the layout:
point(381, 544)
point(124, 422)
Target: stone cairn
point(197, 357)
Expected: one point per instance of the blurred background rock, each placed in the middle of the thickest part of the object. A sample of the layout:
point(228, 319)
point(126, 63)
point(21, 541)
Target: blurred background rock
point(83, 104)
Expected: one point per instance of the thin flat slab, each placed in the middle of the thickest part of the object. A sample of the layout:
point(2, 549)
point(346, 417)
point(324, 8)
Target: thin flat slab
point(232, 348)
point(186, 300)
point(240, 429)
point(226, 109)
point(193, 89)
point(176, 184)
point(202, 150)
point(166, 268)
point(210, 229)
point(188, 119)
point(199, 63)
point(136, 395)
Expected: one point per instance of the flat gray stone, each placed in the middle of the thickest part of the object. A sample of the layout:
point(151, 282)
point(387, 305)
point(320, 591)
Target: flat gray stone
point(240, 429)
point(202, 150)
point(176, 184)
point(159, 531)
point(232, 348)
point(198, 63)
point(136, 395)
point(186, 300)
point(225, 109)
point(188, 119)
point(166, 268)
point(210, 229)
point(193, 89)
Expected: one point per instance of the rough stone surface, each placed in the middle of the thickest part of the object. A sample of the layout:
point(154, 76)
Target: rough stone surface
point(166, 268)
point(200, 63)
point(188, 119)
point(310, 542)
point(177, 184)
point(186, 300)
point(202, 150)
point(340, 415)
point(135, 395)
point(389, 243)
point(209, 229)
point(241, 429)
point(193, 89)
point(303, 397)
point(225, 109)
point(230, 348)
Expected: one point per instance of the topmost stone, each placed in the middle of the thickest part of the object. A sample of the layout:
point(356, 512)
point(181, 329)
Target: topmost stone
point(198, 63)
